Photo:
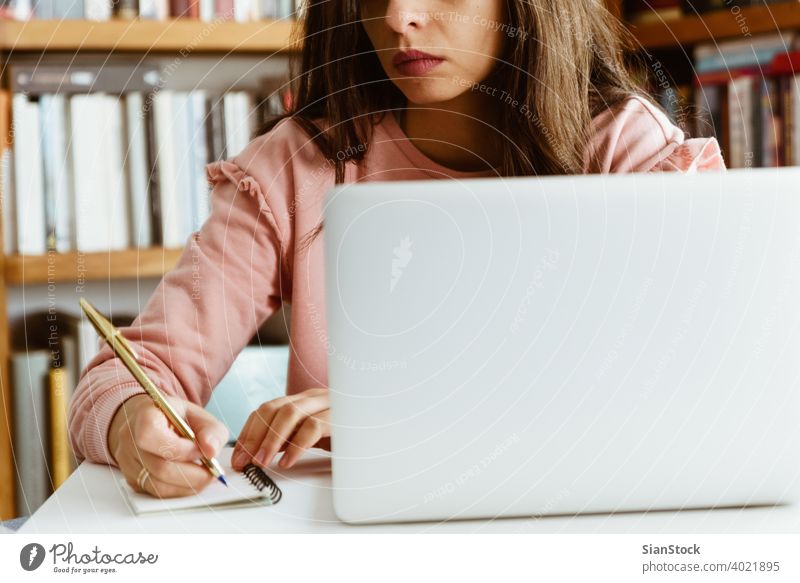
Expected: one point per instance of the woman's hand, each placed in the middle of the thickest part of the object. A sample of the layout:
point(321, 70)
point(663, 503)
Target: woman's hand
point(292, 423)
point(142, 438)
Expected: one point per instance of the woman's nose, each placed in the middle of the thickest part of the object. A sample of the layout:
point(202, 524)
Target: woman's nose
point(404, 14)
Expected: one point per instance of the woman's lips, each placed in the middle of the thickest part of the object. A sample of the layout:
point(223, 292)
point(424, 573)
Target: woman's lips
point(417, 66)
point(415, 62)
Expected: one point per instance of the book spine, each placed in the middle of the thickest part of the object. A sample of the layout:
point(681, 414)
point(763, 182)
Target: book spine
point(153, 173)
point(184, 160)
point(60, 462)
point(216, 129)
point(224, 9)
point(29, 372)
point(119, 236)
point(137, 171)
point(739, 108)
point(89, 119)
point(56, 175)
point(242, 10)
point(31, 237)
point(21, 9)
point(200, 204)
point(49, 162)
point(154, 9)
point(167, 171)
point(44, 9)
point(207, 10)
point(126, 9)
point(100, 10)
point(185, 9)
point(795, 119)
point(69, 10)
point(7, 175)
point(268, 9)
point(784, 145)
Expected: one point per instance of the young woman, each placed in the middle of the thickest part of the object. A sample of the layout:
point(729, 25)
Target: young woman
point(388, 90)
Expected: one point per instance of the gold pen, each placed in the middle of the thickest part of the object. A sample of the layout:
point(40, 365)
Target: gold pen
point(122, 348)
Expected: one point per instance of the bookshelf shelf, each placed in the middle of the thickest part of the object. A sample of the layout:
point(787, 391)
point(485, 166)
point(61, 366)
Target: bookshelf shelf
point(70, 267)
point(147, 36)
point(718, 25)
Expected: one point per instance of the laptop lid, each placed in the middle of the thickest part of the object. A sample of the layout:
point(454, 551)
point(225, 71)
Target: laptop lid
point(533, 346)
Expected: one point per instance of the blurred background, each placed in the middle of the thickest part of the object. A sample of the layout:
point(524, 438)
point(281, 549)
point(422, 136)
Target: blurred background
point(153, 90)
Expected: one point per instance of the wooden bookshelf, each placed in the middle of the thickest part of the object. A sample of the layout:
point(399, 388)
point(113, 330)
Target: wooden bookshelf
point(73, 266)
point(147, 36)
point(719, 25)
point(140, 37)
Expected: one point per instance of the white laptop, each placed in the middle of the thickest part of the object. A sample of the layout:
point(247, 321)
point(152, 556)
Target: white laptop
point(537, 346)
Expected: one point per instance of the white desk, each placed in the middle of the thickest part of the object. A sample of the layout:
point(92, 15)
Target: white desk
point(92, 502)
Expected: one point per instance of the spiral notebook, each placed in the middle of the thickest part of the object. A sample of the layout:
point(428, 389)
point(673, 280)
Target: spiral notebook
point(251, 487)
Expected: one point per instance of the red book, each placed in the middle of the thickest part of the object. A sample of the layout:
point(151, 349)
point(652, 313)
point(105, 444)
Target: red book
point(185, 9)
point(785, 64)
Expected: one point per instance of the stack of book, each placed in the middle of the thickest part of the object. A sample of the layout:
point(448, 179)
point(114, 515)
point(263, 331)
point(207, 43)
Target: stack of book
point(51, 348)
point(99, 10)
point(645, 11)
point(747, 95)
point(103, 159)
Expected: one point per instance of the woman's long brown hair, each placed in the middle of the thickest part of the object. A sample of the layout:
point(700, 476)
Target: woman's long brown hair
point(565, 64)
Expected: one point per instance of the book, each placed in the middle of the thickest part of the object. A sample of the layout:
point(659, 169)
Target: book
point(6, 169)
point(29, 187)
point(224, 9)
point(200, 203)
point(163, 117)
point(57, 181)
point(61, 459)
point(116, 189)
point(97, 9)
point(185, 9)
point(206, 10)
point(250, 487)
point(89, 173)
point(29, 369)
point(137, 171)
point(126, 9)
point(184, 160)
point(154, 9)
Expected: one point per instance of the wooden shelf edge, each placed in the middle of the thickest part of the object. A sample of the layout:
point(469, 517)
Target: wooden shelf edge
point(76, 266)
point(148, 36)
point(717, 25)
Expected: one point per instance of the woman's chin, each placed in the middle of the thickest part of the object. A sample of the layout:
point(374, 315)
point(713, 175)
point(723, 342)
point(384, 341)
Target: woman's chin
point(427, 91)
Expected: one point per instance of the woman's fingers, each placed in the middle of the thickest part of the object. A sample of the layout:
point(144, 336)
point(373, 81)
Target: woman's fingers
point(153, 433)
point(259, 423)
point(285, 423)
point(253, 433)
point(165, 479)
point(310, 432)
point(210, 432)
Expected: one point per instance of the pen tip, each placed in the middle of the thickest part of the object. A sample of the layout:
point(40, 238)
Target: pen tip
point(222, 479)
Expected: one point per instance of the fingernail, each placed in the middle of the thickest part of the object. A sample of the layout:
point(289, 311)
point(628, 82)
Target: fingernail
point(284, 462)
point(261, 457)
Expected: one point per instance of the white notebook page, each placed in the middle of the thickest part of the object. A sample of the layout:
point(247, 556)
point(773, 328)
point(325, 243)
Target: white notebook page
point(240, 492)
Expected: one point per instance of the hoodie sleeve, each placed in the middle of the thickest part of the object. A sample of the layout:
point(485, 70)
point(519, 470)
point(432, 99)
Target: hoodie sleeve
point(638, 137)
point(230, 277)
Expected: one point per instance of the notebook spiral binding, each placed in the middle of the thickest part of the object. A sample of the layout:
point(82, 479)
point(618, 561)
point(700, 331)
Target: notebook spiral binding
point(261, 480)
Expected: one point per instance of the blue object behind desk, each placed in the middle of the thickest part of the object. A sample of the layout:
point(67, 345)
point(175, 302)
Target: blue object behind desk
point(257, 375)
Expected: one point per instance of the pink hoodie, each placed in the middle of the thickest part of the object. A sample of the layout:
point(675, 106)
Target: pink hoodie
point(242, 264)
